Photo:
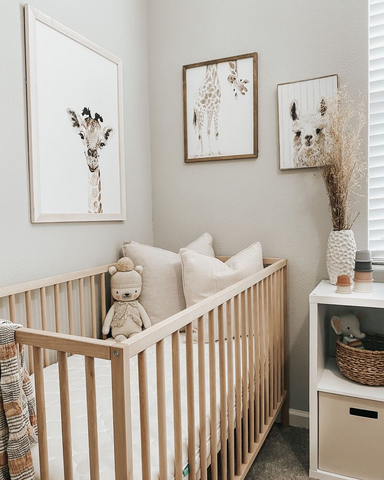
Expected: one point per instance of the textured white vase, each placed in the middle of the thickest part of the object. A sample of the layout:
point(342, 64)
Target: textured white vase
point(341, 254)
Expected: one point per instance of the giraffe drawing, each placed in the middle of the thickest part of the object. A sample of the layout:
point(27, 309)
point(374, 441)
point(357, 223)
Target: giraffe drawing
point(94, 138)
point(208, 100)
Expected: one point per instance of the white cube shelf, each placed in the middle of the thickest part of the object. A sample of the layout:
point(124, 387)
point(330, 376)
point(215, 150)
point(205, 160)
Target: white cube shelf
point(324, 375)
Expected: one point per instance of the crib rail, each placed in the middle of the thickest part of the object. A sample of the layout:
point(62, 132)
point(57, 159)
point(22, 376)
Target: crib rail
point(19, 297)
point(242, 366)
point(254, 313)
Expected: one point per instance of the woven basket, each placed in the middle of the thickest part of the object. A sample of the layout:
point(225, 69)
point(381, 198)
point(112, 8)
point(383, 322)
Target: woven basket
point(363, 366)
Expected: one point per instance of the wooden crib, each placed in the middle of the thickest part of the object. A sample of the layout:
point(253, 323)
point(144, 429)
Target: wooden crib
point(255, 363)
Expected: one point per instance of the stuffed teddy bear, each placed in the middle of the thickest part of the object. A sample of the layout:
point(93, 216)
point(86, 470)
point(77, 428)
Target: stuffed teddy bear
point(126, 316)
point(348, 326)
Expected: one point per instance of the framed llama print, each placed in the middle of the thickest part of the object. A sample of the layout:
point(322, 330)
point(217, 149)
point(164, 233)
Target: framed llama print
point(303, 121)
point(220, 109)
point(75, 125)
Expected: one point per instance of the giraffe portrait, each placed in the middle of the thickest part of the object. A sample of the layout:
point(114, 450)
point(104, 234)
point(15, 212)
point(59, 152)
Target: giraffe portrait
point(75, 126)
point(220, 109)
point(94, 138)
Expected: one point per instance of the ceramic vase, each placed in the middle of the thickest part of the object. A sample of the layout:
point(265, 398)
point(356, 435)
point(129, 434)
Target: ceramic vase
point(340, 254)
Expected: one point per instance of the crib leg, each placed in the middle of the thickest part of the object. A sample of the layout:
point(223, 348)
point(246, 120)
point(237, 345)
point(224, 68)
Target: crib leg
point(285, 407)
point(285, 413)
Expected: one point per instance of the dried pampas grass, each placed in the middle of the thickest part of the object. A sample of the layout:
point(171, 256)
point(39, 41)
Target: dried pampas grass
point(343, 162)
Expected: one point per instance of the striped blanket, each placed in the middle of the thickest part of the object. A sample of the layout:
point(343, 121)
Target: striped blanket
point(18, 428)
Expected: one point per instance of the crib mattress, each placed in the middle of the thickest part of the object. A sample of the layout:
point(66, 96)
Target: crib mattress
point(79, 426)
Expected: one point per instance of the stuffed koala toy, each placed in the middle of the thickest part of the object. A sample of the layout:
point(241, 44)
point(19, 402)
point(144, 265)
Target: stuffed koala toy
point(126, 316)
point(348, 326)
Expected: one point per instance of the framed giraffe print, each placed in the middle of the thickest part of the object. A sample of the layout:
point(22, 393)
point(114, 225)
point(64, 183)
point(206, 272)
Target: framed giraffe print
point(75, 125)
point(220, 109)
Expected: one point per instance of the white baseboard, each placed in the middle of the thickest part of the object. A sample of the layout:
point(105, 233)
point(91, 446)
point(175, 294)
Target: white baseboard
point(298, 418)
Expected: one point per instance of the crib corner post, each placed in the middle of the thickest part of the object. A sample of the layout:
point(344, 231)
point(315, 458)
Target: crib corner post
point(285, 407)
point(121, 399)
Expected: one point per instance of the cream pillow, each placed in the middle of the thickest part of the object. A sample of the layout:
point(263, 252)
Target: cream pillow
point(162, 292)
point(203, 276)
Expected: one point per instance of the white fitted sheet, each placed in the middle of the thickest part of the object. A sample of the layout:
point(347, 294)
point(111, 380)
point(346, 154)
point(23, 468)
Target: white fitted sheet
point(76, 371)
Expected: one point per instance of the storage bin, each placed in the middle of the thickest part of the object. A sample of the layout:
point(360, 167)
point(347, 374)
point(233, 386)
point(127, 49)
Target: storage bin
point(351, 436)
point(363, 366)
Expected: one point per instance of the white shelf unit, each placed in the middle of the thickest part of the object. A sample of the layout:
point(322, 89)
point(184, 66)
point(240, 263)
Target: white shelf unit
point(324, 374)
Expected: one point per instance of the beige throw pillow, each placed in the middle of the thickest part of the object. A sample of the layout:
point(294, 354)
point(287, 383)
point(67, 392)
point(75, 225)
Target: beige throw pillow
point(162, 293)
point(203, 276)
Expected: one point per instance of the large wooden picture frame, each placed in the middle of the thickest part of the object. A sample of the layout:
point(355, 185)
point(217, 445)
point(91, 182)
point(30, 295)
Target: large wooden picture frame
point(220, 109)
point(73, 87)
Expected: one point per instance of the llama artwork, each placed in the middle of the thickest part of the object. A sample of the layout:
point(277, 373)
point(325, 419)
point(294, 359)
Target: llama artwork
point(303, 121)
point(220, 109)
point(94, 138)
point(309, 138)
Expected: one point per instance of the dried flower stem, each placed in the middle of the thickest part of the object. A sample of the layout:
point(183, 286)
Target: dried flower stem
point(342, 159)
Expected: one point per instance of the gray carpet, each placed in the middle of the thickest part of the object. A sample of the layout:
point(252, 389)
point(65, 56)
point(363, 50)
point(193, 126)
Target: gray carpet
point(284, 455)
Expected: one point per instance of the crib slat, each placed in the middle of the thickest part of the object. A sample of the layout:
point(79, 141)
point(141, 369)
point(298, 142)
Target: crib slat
point(122, 422)
point(103, 300)
point(244, 375)
point(238, 385)
point(144, 415)
point(285, 356)
point(262, 355)
point(177, 405)
point(257, 351)
point(271, 344)
point(12, 308)
point(190, 402)
point(278, 323)
point(57, 307)
point(28, 312)
point(231, 402)
point(70, 307)
point(41, 414)
point(93, 307)
point(161, 410)
point(267, 324)
point(202, 406)
point(251, 374)
point(276, 328)
point(223, 396)
point(276, 336)
point(212, 393)
point(281, 332)
point(264, 371)
point(81, 301)
point(43, 305)
point(65, 415)
point(92, 417)
point(103, 296)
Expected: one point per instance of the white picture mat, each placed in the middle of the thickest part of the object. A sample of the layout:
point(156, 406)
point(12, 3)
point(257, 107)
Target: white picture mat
point(308, 94)
point(236, 117)
point(68, 71)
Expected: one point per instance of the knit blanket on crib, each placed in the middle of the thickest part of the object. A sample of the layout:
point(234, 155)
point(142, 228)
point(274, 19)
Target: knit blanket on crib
point(18, 426)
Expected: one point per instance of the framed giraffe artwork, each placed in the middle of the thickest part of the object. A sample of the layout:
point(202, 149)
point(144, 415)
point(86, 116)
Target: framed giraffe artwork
point(75, 125)
point(303, 120)
point(220, 109)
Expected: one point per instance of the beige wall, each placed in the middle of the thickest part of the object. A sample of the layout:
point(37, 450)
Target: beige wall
point(240, 202)
point(32, 251)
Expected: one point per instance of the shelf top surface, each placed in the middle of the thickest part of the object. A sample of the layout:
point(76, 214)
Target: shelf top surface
point(325, 293)
point(333, 381)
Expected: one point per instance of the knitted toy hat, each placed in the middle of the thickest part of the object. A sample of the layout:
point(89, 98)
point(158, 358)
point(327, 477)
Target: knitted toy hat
point(125, 275)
